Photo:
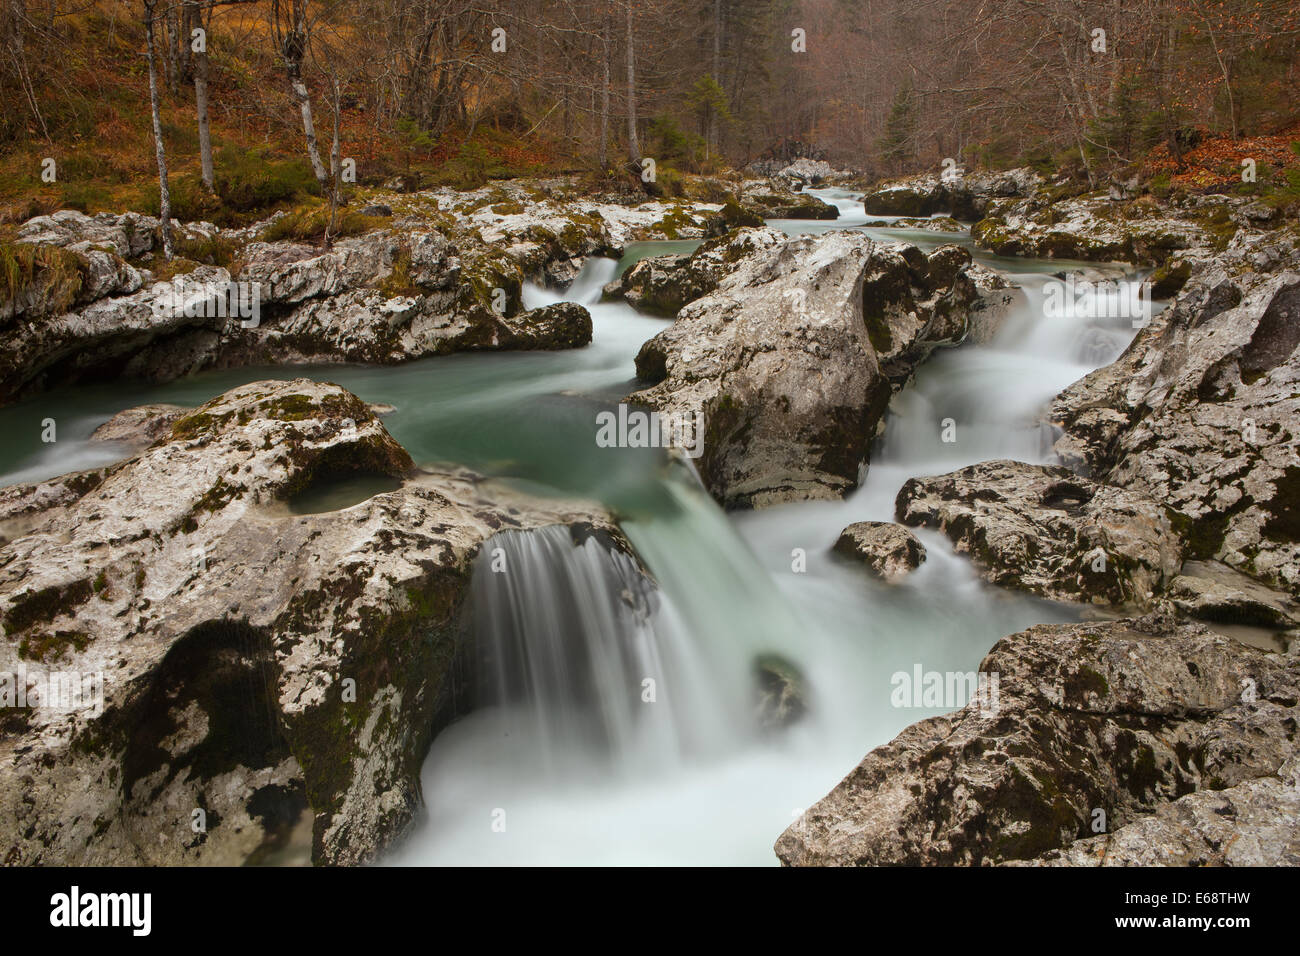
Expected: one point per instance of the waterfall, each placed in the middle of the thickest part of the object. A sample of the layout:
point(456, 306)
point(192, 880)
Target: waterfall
point(585, 288)
point(585, 660)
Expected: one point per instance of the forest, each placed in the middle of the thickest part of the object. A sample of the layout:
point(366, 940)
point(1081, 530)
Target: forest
point(258, 101)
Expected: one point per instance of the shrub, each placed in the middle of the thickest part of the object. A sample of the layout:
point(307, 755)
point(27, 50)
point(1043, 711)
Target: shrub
point(308, 224)
point(252, 180)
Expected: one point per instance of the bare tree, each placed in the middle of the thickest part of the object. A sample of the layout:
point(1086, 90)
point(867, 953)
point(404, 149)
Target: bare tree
point(160, 151)
point(633, 148)
point(292, 32)
point(199, 46)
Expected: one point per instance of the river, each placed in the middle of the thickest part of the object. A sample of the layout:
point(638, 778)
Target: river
point(618, 727)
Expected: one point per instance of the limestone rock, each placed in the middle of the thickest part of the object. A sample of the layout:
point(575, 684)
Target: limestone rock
point(790, 361)
point(1251, 824)
point(1050, 532)
point(889, 551)
point(1086, 717)
point(139, 426)
point(1200, 411)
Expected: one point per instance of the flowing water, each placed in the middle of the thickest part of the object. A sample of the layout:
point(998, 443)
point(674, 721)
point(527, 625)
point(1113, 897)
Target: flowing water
point(616, 724)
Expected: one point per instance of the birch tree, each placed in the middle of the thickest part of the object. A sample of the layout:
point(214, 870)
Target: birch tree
point(160, 151)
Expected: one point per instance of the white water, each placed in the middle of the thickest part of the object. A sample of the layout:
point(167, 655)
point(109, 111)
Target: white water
point(693, 780)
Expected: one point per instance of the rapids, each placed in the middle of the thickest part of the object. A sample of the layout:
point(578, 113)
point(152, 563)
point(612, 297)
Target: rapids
point(616, 726)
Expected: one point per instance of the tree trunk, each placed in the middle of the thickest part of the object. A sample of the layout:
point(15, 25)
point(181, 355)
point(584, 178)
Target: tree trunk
point(164, 193)
point(201, 106)
point(172, 29)
point(712, 134)
point(189, 19)
point(633, 148)
point(604, 99)
point(294, 48)
point(18, 16)
point(336, 164)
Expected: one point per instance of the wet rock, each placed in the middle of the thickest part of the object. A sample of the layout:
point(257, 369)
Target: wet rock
point(812, 172)
point(446, 275)
point(113, 334)
point(776, 199)
point(139, 426)
point(782, 692)
point(889, 551)
point(966, 196)
point(1050, 532)
point(256, 664)
point(561, 325)
point(1101, 228)
point(1199, 413)
point(997, 298)
point(931, 224)
point(1087, 718)
point(791, 360)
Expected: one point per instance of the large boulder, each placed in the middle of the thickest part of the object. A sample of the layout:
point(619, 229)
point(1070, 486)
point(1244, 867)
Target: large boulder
point(1048, 531)
point(791, 360)
point(259, 668)
point(777, 198)
point(379, 298)
point(1091, 228)
point(964, 195)
point(1090, 725)
point(140, 426)
point(1200, 413)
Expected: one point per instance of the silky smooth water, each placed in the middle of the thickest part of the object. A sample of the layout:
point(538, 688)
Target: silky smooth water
point(617, 726)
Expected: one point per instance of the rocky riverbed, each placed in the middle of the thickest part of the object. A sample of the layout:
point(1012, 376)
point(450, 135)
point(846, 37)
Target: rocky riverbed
point(282, 668)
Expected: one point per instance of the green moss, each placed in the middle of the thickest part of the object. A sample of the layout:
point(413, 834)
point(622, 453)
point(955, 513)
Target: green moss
point(46, 647)
point(735, 216)
point(674, 223)
point(310, 223)
point(43, 606)
point(193, 425)
point(1169, 278)
point(1218, 223)
point(398, 282)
